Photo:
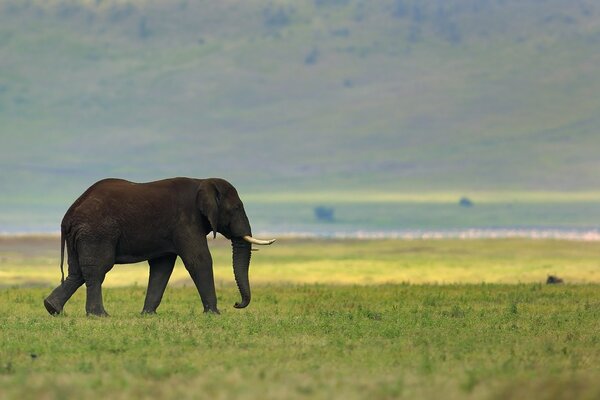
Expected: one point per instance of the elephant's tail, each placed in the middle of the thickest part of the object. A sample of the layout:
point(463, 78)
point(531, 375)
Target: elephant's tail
point(62, 254)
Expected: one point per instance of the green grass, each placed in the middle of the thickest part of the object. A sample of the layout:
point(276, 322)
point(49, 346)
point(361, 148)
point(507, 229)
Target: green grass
point(321, 325)
point(309, 341)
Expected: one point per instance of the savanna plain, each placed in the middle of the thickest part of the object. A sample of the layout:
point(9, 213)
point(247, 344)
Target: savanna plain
point(329, 319)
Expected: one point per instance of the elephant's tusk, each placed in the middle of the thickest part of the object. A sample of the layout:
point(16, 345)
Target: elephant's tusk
point(250, 239)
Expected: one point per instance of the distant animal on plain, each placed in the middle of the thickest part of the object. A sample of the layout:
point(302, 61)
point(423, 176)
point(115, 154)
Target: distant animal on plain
point(119, 222)
point(553, 279)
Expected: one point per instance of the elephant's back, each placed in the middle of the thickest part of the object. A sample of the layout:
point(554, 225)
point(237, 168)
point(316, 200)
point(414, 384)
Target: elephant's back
point(124, 188)
point(97, 190)
point(120, 200)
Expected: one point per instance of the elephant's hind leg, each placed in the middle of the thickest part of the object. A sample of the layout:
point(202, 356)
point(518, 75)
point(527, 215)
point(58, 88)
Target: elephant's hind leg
point(94, 276)
point(96, 259)
point(160, 272)
point(55, 302)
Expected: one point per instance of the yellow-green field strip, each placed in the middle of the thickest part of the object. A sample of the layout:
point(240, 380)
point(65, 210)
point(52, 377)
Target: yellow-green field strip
point(35, 262)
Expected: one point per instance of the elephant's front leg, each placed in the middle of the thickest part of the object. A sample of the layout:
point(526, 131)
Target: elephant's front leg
point(160, 272)
point(199, 265)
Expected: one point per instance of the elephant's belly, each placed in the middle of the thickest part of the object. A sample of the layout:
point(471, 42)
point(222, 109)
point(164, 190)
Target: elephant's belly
point(128, 252)
point(132, 258)
point(129, 259)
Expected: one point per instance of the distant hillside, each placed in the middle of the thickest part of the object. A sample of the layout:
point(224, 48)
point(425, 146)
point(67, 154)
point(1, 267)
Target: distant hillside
point(403, 95)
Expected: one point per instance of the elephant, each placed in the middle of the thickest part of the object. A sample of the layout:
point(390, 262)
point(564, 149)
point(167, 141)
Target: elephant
point(119, 222)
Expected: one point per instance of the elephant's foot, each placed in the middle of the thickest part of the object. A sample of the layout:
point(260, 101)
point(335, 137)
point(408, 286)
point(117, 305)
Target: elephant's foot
point(148, 312)
point(97, 314)
point(211, 311)
point(51, 307)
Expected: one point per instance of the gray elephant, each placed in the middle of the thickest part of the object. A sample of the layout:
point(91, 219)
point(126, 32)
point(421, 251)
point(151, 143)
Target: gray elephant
point(119, 222)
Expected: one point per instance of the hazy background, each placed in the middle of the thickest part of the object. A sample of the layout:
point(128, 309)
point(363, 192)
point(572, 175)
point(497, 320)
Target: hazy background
point(386, 111)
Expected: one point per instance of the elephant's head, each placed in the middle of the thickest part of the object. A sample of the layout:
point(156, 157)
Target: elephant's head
point(222, 211)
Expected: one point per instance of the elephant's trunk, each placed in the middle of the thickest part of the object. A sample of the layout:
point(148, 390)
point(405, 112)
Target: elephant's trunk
point(241, 264)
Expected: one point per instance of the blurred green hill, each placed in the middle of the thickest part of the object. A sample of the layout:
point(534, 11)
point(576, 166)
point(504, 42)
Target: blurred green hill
point(349, 94)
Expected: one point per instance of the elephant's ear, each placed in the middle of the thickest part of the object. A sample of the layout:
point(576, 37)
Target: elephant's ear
point(207, 201)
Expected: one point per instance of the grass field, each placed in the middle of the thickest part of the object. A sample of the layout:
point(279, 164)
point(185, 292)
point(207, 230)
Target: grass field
point(328, 320)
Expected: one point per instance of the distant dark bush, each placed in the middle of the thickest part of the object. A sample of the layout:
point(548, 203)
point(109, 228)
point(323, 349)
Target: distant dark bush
point(276, 18)
point(418, 14)
point(446, 27)
point(414, 33)
point(342, 32)
point(64, 10)
point(400, 9)
point(321, 3)
point(20, 100)
point(143, 30)
point(312, 57)
point(465, 202)
point(323, 213)
point(553, 279)
point(118, 13)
